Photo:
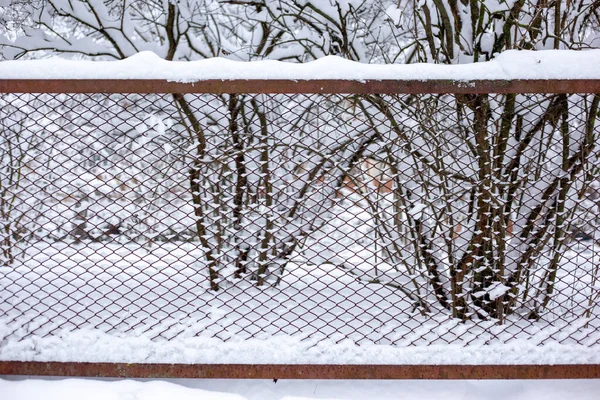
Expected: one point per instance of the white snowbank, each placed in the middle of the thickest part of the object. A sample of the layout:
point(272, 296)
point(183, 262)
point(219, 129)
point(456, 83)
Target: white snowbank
point(405, 389)
point(549, 64)
point(77, 389)
point(131, 293)
point(92, 346)
point(214, 389)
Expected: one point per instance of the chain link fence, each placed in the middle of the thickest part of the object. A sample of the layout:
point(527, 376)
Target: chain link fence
point(398, 219)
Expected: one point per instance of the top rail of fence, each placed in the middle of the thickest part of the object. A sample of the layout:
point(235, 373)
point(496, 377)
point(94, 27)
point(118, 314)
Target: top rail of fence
point(218, 86)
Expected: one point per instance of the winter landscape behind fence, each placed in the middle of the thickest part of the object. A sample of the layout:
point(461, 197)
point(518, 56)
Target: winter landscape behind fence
point(398, 219)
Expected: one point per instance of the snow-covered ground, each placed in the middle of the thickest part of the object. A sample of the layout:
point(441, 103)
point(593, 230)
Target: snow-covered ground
point(118, 303)
point(125, 302)
point(12, 388)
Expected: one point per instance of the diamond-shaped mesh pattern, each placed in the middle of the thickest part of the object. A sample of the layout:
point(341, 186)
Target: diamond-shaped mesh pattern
point(389, 219)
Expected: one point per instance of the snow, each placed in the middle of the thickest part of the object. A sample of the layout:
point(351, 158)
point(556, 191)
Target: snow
point(95, 390)
point(93, 346)
point(104, 315)
point(417, 211)
point(513, 64)
point(225, 389)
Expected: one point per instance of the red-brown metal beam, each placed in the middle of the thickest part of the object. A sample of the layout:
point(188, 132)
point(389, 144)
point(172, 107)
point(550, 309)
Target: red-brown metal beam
point(303, 371)
point(298, 86)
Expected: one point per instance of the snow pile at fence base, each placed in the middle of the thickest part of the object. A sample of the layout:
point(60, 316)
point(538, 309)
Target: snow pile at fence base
point(94, 346)
point(513, 64)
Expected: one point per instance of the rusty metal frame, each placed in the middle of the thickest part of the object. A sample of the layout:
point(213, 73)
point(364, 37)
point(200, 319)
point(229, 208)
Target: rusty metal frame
point(218, 86)
point(300, 371)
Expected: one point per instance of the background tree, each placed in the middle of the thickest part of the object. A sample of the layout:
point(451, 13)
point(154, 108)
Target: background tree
point(248, 163)
point(19, 207)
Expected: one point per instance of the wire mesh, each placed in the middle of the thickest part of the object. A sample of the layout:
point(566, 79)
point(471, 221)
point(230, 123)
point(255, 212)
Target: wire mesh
point(390, 219)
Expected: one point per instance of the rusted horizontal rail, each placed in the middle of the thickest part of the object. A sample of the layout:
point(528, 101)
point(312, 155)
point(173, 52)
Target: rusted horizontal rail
point(303, 371)
point(298, 86)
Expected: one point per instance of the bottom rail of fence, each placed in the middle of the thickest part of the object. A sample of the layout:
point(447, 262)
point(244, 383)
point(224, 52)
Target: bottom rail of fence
point(300, 371)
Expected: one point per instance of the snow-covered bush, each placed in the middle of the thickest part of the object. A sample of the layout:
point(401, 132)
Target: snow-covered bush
point(485, 191)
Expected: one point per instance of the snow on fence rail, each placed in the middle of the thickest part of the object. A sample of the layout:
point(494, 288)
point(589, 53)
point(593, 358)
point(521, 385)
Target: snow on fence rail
point(416, 223)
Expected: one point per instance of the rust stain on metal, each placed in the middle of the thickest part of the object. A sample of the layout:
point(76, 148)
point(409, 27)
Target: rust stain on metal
point(301, 371)
point(298, 86)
